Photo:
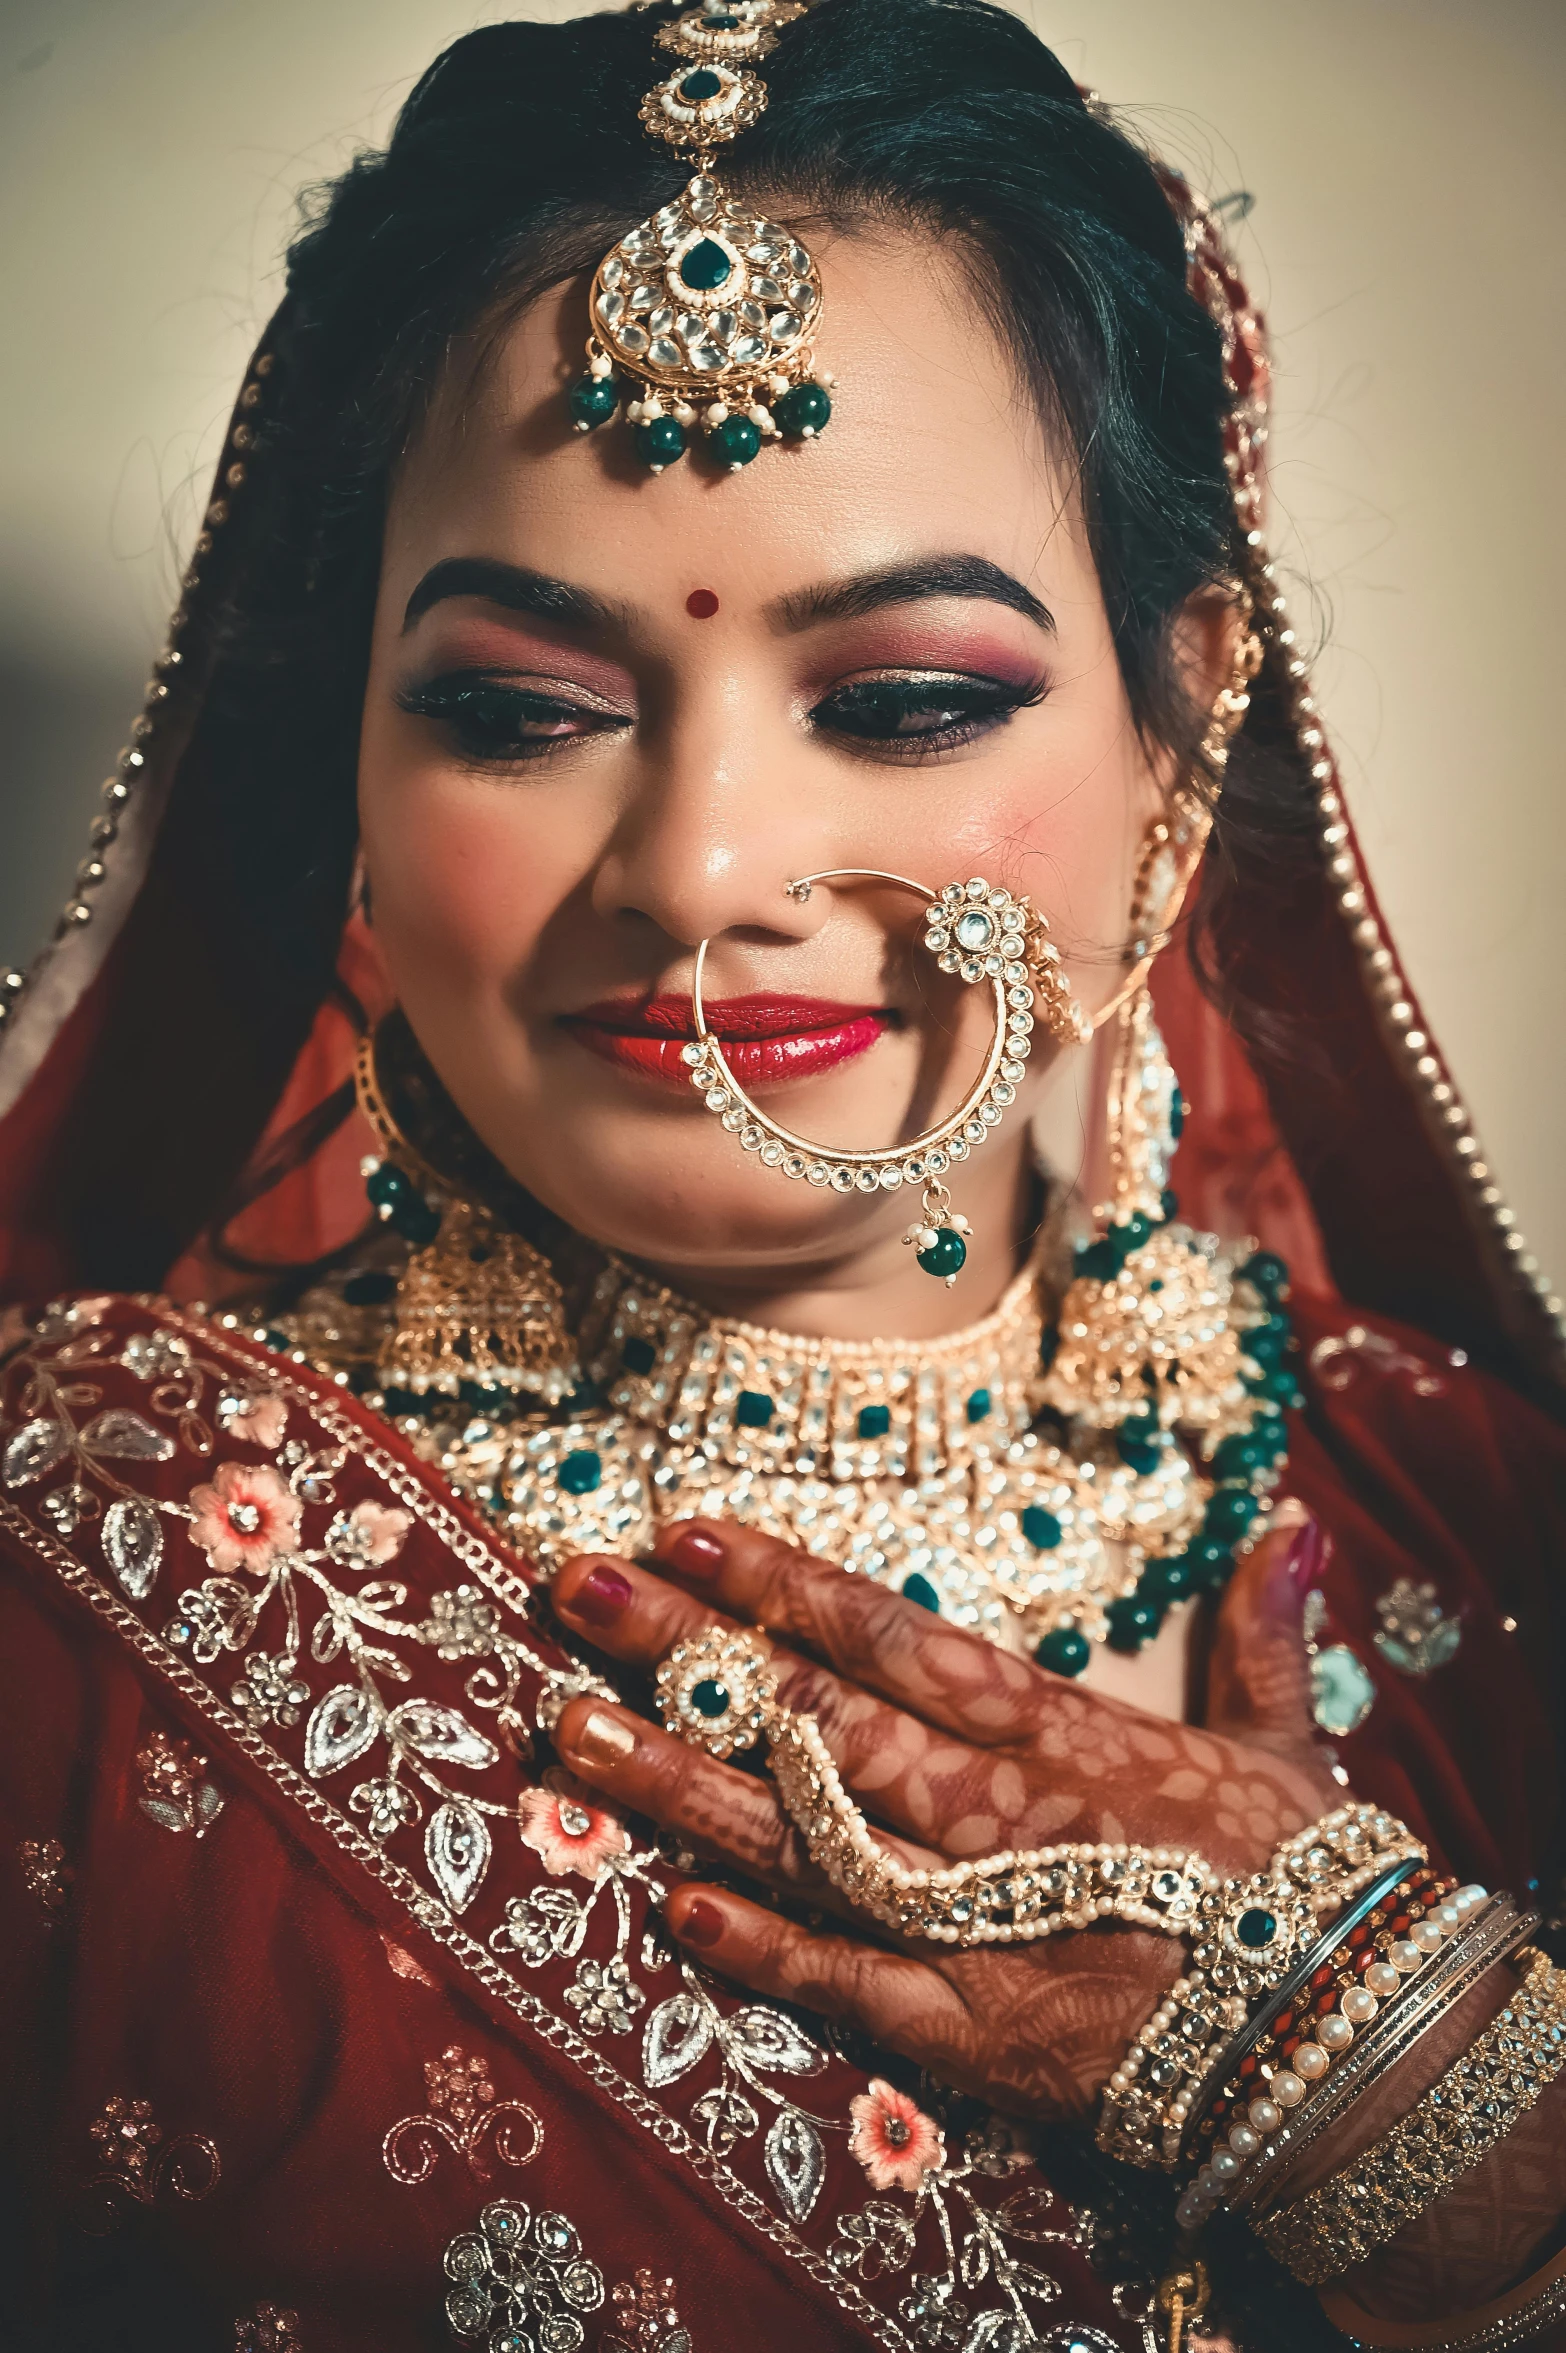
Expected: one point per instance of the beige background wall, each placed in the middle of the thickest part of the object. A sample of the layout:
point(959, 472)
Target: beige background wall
point(1409, 167)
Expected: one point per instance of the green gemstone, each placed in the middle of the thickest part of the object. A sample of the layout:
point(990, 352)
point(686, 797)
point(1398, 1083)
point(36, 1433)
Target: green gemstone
point(735, 441)
point(1236, 1458)
point(705, 266)
point(803, 412)
point(1097, 1260)
point(661, 442)
point(710, 1697)
point(753, 1409)
point(978, 1406)
point(919, 1589)
point(581, 1472)
point(1341, 1690)
point(1123, 1239)
point(947, 1254)
point(874, 1421)
point(1065, 1650)
point(386, 1186)
point(1139, 1444)
point(703, 83)
point(1169, 1202)
point(1256, 1928)
point(1267, 1271)
point(1041, 1528)
point(415, 1221)
point(1230, 1512)
point(1169, 1580)
point(1176, 1116)
point(1132, 1621)
point(594, 401)
point(638, 1355)
point(371, 1289)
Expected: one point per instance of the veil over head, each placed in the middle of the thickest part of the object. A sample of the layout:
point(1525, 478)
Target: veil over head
point(155, 1065)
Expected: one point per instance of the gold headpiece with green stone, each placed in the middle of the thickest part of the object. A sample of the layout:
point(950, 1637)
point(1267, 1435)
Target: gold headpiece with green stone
point(706, 315)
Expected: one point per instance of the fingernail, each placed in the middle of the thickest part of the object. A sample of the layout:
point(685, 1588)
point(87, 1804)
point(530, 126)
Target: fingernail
point(604, 1740)
point(1307, 1554)
point(695, 1554)
point(601, 1597)
point(701, 1924)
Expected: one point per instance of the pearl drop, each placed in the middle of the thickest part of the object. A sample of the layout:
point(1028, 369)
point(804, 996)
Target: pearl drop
point(1359, 2006)
point(1243, 2141)
point(1426, 1935)
point(1406, 1956)
point(1448, 1917)
point(1334, 2032)
point(1381, 1978)
point(1287, 2089)
point(1265, 2114)
point(1226, 2165)
point(1473, 1895)
point(1311, 2061)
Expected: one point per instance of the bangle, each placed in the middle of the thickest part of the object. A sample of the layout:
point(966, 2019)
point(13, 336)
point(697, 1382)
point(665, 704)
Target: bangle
point(1493, 1934)
point(1511, 2320)
point(1341, 1999)
point(1460, 2119)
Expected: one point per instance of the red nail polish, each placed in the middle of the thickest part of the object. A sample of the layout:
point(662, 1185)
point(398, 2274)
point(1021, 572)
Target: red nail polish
point(702, 1924)
point(695, 1554)
point(1307, 1555)
point(601, 1597)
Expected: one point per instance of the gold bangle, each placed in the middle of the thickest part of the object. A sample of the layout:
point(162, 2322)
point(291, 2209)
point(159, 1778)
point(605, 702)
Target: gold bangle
point(1460, 2119)
point(1515, 2319)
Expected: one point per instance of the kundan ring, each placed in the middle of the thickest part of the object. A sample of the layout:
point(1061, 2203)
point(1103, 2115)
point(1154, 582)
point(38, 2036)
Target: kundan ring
point(718, 1690)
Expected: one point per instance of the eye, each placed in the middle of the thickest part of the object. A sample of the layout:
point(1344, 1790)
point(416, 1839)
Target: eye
point(930, 711)
point(495, 721)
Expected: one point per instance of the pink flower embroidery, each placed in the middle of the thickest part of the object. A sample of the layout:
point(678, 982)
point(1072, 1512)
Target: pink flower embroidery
point(245, 1519)
point(258, 1417)
point(562, 1824)
point(895, 2142)
point(370, 1535)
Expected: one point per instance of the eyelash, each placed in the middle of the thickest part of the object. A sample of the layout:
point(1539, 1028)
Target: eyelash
point(485, 715)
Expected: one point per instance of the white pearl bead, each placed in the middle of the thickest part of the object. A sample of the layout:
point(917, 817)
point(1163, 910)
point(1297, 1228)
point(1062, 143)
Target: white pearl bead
point(1426, 1934)
point(1311, 2061)
point(1359, 2005)
point(1206, 2182)
point(1381, 1978)
point(1226, 2165)
point(1447, 1917)
point(1287, 2088)
point(1334, 2033)
point(1265, 2114)
point(1243, 2141)
point(1472, 1896)
point(1406, 1956)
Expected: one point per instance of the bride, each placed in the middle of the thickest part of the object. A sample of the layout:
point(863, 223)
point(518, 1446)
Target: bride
point(729, 729)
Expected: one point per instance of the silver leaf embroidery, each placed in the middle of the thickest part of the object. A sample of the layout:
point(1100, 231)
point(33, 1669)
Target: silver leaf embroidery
point(341, 1727)
point(773, 2043)
point(121, 1432)
point(678, 2032)
point(795, 2159)
point(133, 1544)
point(457, 1849)
point(36, 1448)
point(440, 1734)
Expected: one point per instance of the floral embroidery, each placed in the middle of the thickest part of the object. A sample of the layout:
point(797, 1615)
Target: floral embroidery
point(257, 1417)
point(246, 1519)
point(564, 1824)
point(1334, 1361)
point(137, 2165)
point(402, 1963)
point(645, 2318)
point(893, 2139)
point(177, 1795)
point(464, 2113)
point(1415, 1635)
point(269, 1692)
point(602, 1994)
point(45, 1872)
point(522, 2273)
point(461, 1624)
point(268, 2330)
point(751, 2044)
point(155, 1356)
point(368, 1536)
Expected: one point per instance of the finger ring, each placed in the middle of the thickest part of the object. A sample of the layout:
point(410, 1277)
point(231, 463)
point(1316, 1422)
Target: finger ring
point(718, 1690)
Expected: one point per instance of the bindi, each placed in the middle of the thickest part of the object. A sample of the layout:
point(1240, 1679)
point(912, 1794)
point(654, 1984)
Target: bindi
point(701, 604)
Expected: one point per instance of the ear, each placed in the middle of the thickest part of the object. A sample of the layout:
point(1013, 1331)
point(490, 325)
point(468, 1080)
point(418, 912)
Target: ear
point(1205, 639)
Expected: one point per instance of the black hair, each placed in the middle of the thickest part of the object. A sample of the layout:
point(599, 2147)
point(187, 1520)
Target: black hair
point(516, 161)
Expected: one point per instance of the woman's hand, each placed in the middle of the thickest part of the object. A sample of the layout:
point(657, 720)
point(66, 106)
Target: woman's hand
point(954, 1748)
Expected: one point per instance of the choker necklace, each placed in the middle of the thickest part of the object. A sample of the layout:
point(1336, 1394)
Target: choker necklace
point(933, 1466)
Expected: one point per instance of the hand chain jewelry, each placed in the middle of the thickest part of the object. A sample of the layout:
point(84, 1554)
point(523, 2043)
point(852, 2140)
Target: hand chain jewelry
point(718, 1691)
point(982, 934)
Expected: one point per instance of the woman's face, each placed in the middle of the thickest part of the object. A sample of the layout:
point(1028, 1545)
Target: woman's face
point(611, 714)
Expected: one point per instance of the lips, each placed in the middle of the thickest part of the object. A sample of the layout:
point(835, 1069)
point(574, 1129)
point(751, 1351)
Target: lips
point(766, 1040)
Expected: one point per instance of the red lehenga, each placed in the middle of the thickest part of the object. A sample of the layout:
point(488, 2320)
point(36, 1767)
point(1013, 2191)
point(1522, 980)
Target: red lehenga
point(305, 2055)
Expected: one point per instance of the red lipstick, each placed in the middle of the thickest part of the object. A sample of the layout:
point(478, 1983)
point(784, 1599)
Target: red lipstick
point(765, 1039)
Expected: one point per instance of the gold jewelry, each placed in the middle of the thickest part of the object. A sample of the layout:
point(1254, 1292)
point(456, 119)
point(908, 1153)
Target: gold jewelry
point(1479, 2099)
point(983, 935)
point(717, 1691)
point(477, 1306)
point(706, 312)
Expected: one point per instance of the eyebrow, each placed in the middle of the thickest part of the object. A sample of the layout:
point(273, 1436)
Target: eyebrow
point(515, 587)
point(902, 584)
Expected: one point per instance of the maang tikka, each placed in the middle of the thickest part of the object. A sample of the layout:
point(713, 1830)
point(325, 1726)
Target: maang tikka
point(706, 313)
point(984, 935)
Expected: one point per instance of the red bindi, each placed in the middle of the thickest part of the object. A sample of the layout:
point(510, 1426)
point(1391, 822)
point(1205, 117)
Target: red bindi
point(701, 604)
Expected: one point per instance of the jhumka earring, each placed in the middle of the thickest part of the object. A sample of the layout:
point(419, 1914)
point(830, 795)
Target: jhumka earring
point(478, 1309)
point(706, 312)
point(982, 934)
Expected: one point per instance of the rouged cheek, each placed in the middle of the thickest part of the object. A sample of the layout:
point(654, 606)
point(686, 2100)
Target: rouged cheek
point(463, 882)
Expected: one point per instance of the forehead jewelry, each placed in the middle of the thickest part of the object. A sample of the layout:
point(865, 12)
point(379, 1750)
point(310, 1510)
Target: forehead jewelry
point(987, 938)
point(706, 314)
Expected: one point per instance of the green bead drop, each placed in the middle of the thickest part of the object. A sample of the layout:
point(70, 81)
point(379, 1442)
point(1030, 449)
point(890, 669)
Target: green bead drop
point(947, 1254)
point(1065, 1650)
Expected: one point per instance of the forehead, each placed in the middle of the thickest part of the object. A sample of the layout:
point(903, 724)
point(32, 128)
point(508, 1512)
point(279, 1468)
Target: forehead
point(933, 444)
